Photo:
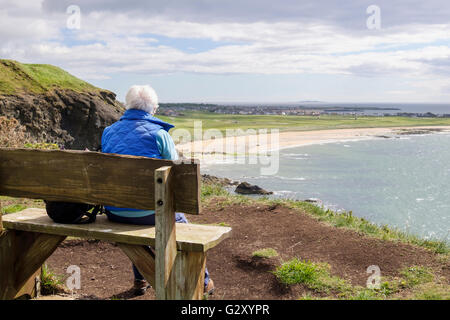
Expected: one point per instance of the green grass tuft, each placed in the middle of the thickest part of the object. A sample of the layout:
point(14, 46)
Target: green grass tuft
point(213, 190)
point(265, 253)
point(432, 291)
point(13, 208)
point(41, 146)
point(50, 282)
point(297, 271)
point(417, 275)
point(315, 276)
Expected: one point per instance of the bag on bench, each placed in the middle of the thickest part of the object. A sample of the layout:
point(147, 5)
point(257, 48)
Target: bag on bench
point(72, 213)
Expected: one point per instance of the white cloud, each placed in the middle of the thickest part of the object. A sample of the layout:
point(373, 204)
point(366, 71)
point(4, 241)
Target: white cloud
point(119, 38)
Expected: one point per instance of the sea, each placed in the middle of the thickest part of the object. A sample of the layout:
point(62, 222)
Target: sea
point(402, 182)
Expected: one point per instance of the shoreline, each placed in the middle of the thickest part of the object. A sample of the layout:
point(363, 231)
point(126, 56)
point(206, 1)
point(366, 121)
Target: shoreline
point(254, 144)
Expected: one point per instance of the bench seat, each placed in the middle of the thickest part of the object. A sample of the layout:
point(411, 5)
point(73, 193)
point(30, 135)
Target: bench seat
point(189, 237)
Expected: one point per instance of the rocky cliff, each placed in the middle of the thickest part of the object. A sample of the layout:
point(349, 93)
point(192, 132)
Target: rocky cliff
point(54, 106)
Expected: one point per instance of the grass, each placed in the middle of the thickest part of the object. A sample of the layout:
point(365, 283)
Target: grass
point(431, 291)
point(13, 208)
point(315, 276)
point(416, 275)
point(50, 282)
point(41, 146)
point(212, 190)
point(297, 271)
point(12, 205)
point(244, 124)
point(223, 224)
point(417, 283)
point(18, 77)
point(265, 253)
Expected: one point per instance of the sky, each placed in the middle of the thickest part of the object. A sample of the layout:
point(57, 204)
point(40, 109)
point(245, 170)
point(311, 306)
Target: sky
point(241, 51)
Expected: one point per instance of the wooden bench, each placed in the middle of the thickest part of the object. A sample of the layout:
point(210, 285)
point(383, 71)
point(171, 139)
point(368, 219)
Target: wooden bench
point(27, 238)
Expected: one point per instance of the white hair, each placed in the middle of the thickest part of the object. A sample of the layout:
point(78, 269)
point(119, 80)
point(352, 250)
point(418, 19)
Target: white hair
point(142, 98)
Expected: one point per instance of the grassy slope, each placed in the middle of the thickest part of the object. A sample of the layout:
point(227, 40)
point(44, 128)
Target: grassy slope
point(342, 219)
point(17, 77)
point(294, 123)
point(416, 282)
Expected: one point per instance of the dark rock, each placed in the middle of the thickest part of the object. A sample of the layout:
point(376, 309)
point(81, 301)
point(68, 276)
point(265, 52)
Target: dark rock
point(74, 120)
point(418, 131)
point(247, 188)
point(206, 178)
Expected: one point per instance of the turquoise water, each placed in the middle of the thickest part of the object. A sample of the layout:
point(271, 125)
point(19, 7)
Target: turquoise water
point(402, 182)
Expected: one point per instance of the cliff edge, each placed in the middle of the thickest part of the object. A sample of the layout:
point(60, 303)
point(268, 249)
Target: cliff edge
point(55, 106)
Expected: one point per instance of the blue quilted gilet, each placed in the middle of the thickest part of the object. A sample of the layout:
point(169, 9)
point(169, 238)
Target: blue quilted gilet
point(134, 134)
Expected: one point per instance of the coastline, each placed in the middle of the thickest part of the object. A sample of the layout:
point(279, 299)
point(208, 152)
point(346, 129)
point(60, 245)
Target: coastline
point(288, 140)
point(252, 144)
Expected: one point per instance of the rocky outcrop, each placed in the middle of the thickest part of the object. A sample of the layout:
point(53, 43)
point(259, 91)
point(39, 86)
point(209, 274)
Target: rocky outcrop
point(73, 120)
point(247, 188)
point(209, 179)
point(418, 131)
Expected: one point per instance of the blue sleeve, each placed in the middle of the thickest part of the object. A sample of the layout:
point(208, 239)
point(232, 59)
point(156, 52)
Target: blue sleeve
point(166, 146)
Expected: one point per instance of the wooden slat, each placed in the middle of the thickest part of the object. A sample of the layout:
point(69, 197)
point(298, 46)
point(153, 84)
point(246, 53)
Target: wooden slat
point(93, 177)
point(190, 237)
point(165, 242)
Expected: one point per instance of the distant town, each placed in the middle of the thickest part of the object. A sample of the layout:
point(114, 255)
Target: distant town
point(177, 109)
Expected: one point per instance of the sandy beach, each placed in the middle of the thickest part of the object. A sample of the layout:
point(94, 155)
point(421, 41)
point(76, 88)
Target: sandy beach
point(273, 141)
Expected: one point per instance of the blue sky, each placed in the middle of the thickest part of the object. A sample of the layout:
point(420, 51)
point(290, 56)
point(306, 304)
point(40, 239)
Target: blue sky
point(241, 51)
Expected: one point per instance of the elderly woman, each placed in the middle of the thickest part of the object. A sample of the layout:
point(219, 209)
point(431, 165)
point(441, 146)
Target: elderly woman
point(139, 133)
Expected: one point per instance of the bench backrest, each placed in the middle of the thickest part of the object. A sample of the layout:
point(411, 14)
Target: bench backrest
point(95, 178)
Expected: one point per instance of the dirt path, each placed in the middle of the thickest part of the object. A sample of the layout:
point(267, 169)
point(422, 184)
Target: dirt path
point(106, 271)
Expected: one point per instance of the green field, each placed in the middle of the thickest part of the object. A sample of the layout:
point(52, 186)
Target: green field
point(294, 123)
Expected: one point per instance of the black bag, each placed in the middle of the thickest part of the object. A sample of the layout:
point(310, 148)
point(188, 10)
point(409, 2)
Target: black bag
point(72, 213)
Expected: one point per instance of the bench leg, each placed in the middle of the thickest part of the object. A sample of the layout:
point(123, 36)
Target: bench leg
point(187, 277)
point(143, 258)
point(21, 255)
point(30, 289)
point(186, 281)
point(179, 274)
